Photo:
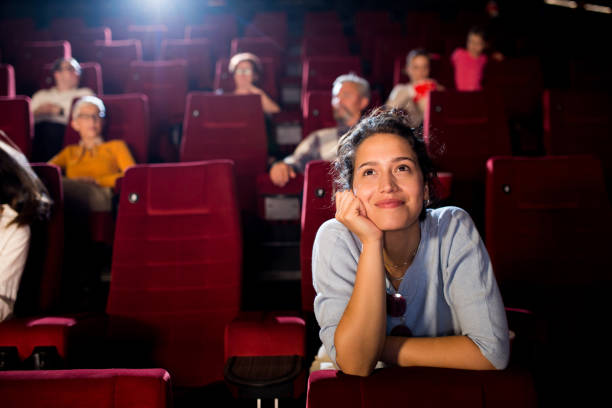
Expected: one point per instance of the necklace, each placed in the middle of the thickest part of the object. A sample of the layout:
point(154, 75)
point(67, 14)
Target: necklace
point(389, 265)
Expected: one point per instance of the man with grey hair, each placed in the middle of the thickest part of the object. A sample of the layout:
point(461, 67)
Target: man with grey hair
point(51, 108)
point(350, 96)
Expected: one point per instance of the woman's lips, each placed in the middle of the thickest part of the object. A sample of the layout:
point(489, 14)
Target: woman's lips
point(392, 203)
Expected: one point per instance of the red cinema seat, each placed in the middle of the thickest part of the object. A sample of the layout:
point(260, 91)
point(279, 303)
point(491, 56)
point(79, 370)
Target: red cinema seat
point(232, 127)
point(578, 122)
point(118, 25)
point(199, 57)
point(226, 23)
point(58, 26)
point(462, 130)
point(116, 388)
point(225, 81)
point(7, 80)
point(218, 37)
point(12, 34)
point(85, 38)
point(165, 84)
point(151, 37)
point(531, 204)
point(317, 112)
point(431, 387)
point(386, 50)
point(272, 24)
point(17, 122)
point(115, 58)
point(31, 59)
point(39, 289)
point(177, 267)
point(369, 24)
point(127, 119)
point(91, 77)
point(322, 23)
point(319, 73)
point(325, 46)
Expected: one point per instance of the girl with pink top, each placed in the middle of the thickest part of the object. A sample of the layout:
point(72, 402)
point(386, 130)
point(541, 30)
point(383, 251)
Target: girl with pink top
point(469, 63)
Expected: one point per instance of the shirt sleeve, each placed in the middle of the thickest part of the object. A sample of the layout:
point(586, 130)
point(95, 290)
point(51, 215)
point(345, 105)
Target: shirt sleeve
point(13, 256)
point(471, 289)
point(335, 256)
point(305, 152)
point(124, 160)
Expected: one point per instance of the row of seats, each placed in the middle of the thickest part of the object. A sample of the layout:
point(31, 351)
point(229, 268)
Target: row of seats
point(186, 216)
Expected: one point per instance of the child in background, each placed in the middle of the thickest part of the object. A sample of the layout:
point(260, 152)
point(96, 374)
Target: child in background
point(413, 96)
point(469, 63)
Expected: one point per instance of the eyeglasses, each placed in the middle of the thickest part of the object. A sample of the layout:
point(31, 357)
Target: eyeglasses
point(396, 307)
point(244, 71)
point(94, 117)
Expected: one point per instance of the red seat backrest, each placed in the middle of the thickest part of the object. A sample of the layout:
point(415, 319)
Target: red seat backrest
point(271, 24)
point(218, 36)
point(531, 204)
point(319, 73)
point(177, 264)
point(165, 84)
point(325, 46)
point(127, 119)
point(31, 59)
point(17, 122)
point(91, 77)
point(317, 112)
point(151, 37)
point(113, 388)
point(39, 288)
point(7, 80)
point(317, 207)
point(198, 54)
point(227, 127)
point(115, 58)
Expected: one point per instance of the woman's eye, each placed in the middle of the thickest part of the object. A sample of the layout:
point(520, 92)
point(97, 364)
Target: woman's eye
point(368, 172)
point(403, 167)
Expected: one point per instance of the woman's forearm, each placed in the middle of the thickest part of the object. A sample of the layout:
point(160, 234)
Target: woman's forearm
point(449, 352)
point(360, 335)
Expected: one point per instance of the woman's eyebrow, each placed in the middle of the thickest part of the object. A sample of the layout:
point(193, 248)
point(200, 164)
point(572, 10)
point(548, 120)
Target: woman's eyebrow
point(395, 160)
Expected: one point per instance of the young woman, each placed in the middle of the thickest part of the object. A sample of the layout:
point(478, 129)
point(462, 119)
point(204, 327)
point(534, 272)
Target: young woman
point(23, 200)
point(397, 282)
point(247, 69)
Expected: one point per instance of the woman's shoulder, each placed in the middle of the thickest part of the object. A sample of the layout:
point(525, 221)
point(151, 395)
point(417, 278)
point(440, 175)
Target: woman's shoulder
point(7, 215)
point(333, 233)
point(115, 144)
point(444, 219)
point(332, 228)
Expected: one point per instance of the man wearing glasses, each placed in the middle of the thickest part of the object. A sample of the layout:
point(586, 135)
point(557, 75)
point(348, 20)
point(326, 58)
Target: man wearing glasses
point(51, 108)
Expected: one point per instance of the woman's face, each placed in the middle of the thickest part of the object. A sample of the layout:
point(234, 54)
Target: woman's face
point(244, 75)
point(418, 68)
point(475, 44)
point(88, 122)
point(388, 180)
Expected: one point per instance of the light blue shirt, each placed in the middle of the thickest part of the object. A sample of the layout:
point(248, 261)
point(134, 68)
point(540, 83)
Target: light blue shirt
point(449, 288)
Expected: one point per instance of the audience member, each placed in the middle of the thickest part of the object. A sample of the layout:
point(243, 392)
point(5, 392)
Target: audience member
point(413, 97)
point(51, 108)
point(397, 282)
point(469, 62)
point(350, 96)
point(23, 200)
point(247, 70)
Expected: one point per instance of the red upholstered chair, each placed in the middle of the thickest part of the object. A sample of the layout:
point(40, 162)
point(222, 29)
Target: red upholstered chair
point(115, 58)
point(91, 77)
point(40, 283)
point(225, 81)
point(80, 37)
point(325, 46)
point(421, 386)
point(17, 122)
point(578, 122)
point(217, 35)
point(322, 23)
point(165, 84)
point(317, 112)
point(227, 126)
point(7, 80)
point(531, 204)
point(151, 37)
point(462, 130)
point(31, 59)
point(272, 24)
point(199, 57)
point(12, 34)
point(177, 267)
point(319, 73)
point(116, 388)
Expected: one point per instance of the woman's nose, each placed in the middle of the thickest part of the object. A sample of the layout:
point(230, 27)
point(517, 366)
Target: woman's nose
point(387, 183)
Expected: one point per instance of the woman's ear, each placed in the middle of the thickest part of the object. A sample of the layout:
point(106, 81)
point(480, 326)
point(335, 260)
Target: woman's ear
point(75, 125)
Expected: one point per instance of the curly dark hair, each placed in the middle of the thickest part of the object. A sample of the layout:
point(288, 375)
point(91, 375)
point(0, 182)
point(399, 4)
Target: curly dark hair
point(22, 191)
point(381, 120)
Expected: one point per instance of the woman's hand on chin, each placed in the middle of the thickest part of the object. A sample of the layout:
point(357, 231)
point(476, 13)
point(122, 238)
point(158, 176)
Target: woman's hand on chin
point(351, 212)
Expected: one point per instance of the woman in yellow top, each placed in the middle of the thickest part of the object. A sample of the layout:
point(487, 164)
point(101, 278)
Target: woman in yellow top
point(92, 166)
